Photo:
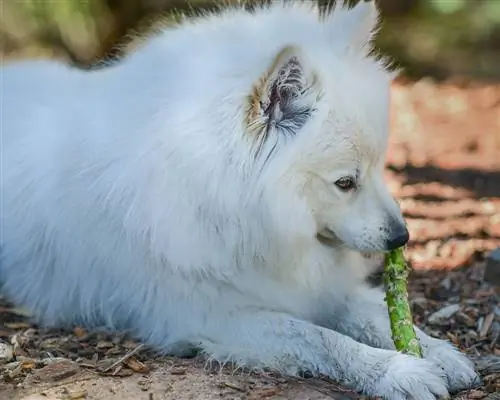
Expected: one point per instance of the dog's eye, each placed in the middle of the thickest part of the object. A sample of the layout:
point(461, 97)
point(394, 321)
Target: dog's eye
point(346, 184)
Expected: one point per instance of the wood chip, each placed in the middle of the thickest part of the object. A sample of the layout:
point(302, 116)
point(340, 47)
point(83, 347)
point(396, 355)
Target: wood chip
point(265, 393)
point(492, 269)
point(122, 372)
point(443, 314)
point(21, 311)
point(79, 332)
point(104, 345)
point(28, 365)
point(178, 371)
point(81, 394)
point(137, 366)
point(124, 358)
point(476, 394)
point(233, 385)
point(16, 325)
point(56, 371)
point(486, 325)
point(15, 372)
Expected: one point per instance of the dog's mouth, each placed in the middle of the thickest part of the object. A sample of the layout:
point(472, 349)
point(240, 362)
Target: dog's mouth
point(330, 239)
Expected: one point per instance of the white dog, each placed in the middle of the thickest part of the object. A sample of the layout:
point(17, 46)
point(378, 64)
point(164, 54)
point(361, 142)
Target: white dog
point(218, 189)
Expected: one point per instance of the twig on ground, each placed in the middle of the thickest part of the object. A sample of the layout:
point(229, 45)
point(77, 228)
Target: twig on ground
point(124, 358)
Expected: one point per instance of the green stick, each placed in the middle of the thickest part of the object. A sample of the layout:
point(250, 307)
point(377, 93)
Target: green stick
point(396, 296)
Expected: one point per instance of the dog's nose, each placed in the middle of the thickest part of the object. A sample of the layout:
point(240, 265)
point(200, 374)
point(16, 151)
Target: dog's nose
point(399, 237)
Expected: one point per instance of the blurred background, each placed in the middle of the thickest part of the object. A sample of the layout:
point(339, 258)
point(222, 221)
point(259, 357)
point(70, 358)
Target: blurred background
point(436, 38)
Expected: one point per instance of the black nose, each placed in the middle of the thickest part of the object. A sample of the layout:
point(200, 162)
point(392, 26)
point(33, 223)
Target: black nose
point(399, 237)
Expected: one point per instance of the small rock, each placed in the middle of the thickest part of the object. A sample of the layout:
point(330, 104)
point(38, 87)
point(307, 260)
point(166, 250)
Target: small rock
point(6, 353)
point(492, 270)
point(443, 314)
point(57, 371)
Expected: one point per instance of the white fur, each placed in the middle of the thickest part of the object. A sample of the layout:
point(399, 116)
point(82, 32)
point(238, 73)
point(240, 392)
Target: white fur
point(131, 199)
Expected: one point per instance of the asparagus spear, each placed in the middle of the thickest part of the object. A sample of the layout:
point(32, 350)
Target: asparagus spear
point(395, 280)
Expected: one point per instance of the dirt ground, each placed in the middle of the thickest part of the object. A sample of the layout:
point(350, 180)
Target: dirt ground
point(444, 167)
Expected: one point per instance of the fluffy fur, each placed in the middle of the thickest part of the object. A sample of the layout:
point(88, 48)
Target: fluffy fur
point(217, 189)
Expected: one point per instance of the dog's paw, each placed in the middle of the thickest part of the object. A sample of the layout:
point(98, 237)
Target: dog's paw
point(408, 377)
point(458, 369)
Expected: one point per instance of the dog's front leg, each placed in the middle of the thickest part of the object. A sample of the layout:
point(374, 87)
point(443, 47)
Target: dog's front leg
point(265, 339)
point(363, 316)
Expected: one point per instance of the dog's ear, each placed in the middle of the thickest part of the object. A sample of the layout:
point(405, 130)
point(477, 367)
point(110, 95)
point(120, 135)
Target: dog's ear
point(358, 25)
point(282, 99)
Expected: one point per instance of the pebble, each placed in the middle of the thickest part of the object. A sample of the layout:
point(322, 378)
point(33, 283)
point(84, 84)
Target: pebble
point(443, 314)
point(6, 353)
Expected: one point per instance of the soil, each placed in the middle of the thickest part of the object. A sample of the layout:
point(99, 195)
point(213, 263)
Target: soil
point(443, 165)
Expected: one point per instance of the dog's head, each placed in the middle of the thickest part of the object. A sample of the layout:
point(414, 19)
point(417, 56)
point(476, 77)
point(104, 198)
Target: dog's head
point(318, 121)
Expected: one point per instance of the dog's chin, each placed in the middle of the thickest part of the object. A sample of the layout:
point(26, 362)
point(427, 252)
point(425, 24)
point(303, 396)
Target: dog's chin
point(330, 239)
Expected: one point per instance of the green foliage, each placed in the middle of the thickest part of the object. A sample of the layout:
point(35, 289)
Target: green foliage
point(446, 37)
point(447, 6)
